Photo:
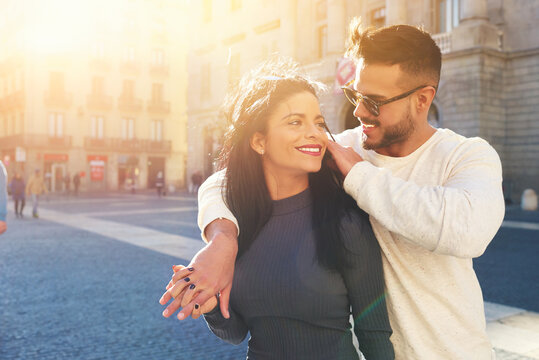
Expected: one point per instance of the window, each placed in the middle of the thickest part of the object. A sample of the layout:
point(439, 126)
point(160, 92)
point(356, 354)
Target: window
point(98, 51)
point(98, 85)
point(322, 40)
point(322, 28)
point(205, 83)
point(158, 57)
point(446, 15)
point(129, 54)
point(157, 93)
point(97, 127)
point(128, 129)
point(235, 5)
point(206, 10)
point(128, 89)
point(378, 17)
point(56, 84)
point(56, 124)
point(156, 130)
point(234, 68)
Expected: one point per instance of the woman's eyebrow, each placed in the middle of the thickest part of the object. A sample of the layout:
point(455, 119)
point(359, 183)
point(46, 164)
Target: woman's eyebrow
point(293, 114)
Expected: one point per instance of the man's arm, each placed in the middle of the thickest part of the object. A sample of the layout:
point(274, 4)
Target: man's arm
point(214, 264)
point(458, 218)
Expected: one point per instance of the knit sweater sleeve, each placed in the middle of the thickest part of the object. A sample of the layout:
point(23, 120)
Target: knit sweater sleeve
point(232, 330)
point(458, 217)
point(3, 192)
point(211, 205)
point(364, 278)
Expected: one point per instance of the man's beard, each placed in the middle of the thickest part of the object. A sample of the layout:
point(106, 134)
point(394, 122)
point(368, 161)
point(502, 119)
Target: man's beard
point(392, 134)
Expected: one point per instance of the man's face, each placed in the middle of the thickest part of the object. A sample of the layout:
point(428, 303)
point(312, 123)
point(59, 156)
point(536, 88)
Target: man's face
point(395, 123)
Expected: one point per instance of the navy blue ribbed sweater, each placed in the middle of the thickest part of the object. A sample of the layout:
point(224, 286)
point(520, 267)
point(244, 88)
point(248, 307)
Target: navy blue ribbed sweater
point(296, 309)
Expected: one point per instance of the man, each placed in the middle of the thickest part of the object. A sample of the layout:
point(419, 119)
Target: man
point(3, 198)
point(434, 199)
point(35, 188)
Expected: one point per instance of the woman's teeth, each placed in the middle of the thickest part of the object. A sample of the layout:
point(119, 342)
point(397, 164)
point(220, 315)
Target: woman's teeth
point(313, 150)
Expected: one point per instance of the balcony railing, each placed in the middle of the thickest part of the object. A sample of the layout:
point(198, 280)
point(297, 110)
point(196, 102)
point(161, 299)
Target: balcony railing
point(130, 68)
point(129, 104)
point(99, 102)
point(127, 145)
point(443, 40)
point(158, 107)
point(100, 64)
point(35, 141)
point(159, 70)
point(58, 99)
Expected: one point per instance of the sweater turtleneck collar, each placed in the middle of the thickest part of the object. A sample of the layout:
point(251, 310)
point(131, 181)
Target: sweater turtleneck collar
point(292, 203)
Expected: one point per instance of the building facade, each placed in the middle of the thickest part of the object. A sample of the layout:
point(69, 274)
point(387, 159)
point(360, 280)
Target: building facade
point(488, 88)
point(95, 88)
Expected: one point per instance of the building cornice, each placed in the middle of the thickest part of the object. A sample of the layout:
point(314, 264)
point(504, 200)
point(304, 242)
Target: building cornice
point(275, 24)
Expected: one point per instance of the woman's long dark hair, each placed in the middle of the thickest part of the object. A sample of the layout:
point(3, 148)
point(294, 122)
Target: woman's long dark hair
point(247, 109)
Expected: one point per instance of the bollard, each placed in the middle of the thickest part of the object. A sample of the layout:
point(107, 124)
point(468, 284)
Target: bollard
point(529, 200)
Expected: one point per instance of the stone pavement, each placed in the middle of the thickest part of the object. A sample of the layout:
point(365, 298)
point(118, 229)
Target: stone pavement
point(514, 332)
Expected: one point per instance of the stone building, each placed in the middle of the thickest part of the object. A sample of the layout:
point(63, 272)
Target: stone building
point(95, 88)
point(490, 74)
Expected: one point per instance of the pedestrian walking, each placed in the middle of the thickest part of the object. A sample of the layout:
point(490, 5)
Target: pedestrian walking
point(434, 199)
point(35, 187)
point(3, 198)
point(76, 183)
point(159, 183)
point(18, 189)
point(67, 183)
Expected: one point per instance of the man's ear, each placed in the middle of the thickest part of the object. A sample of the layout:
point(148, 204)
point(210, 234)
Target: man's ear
point(258, 142)
point(424, 98)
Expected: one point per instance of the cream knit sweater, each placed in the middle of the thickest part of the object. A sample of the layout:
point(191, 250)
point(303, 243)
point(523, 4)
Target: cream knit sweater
point(432, 212)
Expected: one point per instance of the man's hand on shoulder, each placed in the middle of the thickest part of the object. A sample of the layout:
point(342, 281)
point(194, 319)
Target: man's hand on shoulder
point(344, 157)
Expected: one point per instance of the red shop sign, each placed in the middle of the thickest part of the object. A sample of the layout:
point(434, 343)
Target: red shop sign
point(97, 158)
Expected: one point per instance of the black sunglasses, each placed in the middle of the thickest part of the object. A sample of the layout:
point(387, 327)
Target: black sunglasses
point(371, 105)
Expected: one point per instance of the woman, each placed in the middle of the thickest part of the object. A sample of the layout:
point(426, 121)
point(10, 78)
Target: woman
point(306, 252)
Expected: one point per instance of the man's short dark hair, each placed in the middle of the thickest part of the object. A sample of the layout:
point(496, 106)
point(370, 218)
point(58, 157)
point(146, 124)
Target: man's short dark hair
point(408, 46)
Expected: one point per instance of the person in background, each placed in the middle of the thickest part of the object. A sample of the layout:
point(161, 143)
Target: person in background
point(196, 180)
point(159, 183)
point(67, 183)
point(18, 189)
point(35, 188)
point(76, 183)
point(3, 198)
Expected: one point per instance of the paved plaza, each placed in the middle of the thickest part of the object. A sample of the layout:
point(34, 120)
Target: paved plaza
point(83, 282)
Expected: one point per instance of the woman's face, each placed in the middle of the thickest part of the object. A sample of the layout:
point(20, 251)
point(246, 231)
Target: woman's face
point(295, 139)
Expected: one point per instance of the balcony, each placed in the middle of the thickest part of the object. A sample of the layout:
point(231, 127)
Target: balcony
point(158, 107)
point(129, 104)
point(91, 143)
point(130, 68)
point(36, 141)
point(443, 41)
point(127, 145)
point(158, 146)
point(99, 102)
point(58, 99)
point(159, 70)
point(102, 65)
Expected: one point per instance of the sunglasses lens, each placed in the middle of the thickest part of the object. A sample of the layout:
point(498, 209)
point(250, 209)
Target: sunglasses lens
point(371, 106)
point(351, 96)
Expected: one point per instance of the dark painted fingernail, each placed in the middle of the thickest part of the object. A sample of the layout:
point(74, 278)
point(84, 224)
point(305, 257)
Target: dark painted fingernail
point(191, 269)
point(192, 286)
point(186, 279)
point(197, 306)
